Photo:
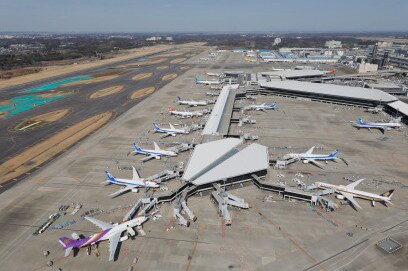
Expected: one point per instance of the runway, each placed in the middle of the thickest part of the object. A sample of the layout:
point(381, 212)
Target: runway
point(80, 98)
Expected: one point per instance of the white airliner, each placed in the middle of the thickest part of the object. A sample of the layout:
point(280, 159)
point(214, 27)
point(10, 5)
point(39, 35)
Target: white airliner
point(383, 126)
point(207, 82)
point(349, 192)
point(213, 74)
point(309, 157)
point(157, 153)
point(129, 184)
point(185, 114)
point(111, 232)
point(191, 102)
point(260, 107)
point(169, 131)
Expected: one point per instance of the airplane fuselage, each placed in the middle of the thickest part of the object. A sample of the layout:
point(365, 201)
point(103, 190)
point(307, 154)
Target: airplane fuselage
point(354, 192)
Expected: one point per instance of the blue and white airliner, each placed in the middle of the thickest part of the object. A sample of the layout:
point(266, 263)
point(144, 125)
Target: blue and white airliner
point(383, 126)
point(169, 131)
point(129, 184)
point(157, 153)
point(309, 157)
point(261, 107)
point(191, 102)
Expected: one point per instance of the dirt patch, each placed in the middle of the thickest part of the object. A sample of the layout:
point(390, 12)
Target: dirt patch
point(91, 81)
point(178, 60)
point(141, 76)
point(48, 148)
point(106, 91)
point(5, 102)
point(3, 113)
point(160, 68)
point(142, 92)
point(51, 116)
point(169, 76)
point(111, 72)
point(7, 74)
point(40, 120)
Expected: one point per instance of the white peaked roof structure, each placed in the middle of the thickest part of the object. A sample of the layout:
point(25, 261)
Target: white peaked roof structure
point(220, 160)
point(330, 90)
point(207, 155)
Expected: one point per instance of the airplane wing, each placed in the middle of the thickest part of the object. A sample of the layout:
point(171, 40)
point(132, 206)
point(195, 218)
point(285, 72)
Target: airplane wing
point(314, 162)
point(310, 151)
point(351, 199)
point(135, 175)
point(171, 126)
point(113, 244)
point(156, 147)
point(121, 191)
point(354, 184)
point(100, 224)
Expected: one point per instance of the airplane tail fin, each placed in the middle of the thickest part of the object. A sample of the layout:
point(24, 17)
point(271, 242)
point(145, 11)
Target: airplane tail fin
point(388, 194)
point(274, 105)
point(334, 153)
point(108, 176)
point(171, 109)
point(66, 242)
point(178, 98)
point(196, 80)
point(360, 121)
point(137, 148)
point(155, 127)
point(333, 71)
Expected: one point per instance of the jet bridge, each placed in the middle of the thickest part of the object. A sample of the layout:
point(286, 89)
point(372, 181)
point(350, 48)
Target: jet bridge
point(224, 199)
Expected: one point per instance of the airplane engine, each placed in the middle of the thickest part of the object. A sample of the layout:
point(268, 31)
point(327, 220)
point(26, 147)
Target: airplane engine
point(130, 231)
point(135, 190)
point(339, 196)
point(157, 157)
point(124, 238)
point(305, 162)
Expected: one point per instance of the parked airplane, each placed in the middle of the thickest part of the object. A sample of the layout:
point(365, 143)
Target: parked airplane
point(169, 131)
point(191, 102)
point(185, 114)
point(383, 126)
point(309, 157)
point(349, 192)
point(261, 107)
point(111, 232)
point(213, 74)
point(157, 153)
point(129, 184)
point(207, 82)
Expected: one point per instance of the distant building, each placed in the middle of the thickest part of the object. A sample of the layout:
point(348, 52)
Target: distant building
point(169, 38)
point(277, 41)
point(333, 44)
point(154, 39)
point(384, 44)
point(367, 67)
